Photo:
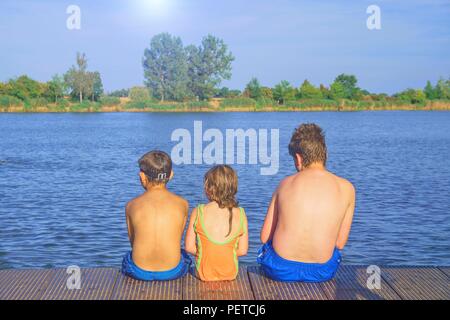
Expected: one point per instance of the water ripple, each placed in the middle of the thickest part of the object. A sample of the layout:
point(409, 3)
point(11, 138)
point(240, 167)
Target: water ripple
point(64, 181)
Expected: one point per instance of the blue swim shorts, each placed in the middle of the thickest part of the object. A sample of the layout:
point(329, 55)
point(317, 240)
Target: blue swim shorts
point(130, 269)
point(280, 269)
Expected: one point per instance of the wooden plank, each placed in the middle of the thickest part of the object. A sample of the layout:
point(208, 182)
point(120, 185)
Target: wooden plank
point(267, 289)
point(96, 284)
point(239, 289)
point(127, 288)
point(418, 283)
point(24, 284)
point(350, 283)
point(445, 270)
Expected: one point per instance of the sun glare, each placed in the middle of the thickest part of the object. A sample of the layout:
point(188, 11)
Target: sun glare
point(155, 8)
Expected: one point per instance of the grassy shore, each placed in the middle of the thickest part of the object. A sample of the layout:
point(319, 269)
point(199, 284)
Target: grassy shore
point(220, 105)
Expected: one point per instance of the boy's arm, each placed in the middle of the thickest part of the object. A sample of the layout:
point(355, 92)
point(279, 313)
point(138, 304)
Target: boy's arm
point(185, 212)
point(270, 221)
point(243, 240)
point(347, 222)
point(189, 241)
point(129, 225)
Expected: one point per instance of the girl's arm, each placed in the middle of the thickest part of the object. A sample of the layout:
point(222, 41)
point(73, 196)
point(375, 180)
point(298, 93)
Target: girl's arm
point(189, 241)
point(243, 240)
point(270, 221)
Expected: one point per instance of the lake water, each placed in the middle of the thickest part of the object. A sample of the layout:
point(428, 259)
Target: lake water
point(65, 178)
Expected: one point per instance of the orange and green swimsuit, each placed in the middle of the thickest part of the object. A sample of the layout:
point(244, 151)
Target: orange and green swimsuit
point(216, 261)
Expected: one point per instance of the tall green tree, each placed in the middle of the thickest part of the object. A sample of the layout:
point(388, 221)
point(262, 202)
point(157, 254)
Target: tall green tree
point(348, 83)
point(325, 91)
point(443, 89)
point(3, 88)
point(165, 67)
point(337, 91)
point(25, 88)
point(208, 65)
point(430, 91)
point(77, 79)
point(83, 83)
point(308, 91)
point(253, 89)
point(56, 88)
point(95, 85)
point(283, 92)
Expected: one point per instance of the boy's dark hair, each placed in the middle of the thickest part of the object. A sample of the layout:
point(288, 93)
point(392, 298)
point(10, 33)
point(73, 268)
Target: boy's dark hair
point(157, 166)
point(308, 141)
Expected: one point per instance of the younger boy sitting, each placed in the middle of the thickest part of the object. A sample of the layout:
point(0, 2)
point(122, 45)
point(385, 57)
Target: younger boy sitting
point(156, 220)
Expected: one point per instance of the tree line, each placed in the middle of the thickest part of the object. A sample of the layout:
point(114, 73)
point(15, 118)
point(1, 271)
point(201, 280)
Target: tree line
point(178, 73)
point(77, 83)
point(343, 87)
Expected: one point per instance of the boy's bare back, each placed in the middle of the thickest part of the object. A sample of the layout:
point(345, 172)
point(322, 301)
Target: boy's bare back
point(156, 221)
point(313, 209)
point(311, 212)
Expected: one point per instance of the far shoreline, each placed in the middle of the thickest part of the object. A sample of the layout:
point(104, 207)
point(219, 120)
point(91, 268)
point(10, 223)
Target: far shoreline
point(182, 109)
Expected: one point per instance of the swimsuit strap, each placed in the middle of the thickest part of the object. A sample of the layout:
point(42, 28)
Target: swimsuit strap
point(241, 219)
point(200, 216)
point(199, 212)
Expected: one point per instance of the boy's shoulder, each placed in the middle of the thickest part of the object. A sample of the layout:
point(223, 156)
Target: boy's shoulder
point(286, 181)
point(142, 201)
point(345, 184)
point(182, 200)
point(133, 203)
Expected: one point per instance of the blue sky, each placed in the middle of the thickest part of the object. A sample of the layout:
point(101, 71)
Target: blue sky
point(272, 40)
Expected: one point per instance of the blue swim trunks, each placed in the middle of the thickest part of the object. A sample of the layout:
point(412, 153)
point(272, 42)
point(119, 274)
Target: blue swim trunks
point(130, 269)
point(280, 269)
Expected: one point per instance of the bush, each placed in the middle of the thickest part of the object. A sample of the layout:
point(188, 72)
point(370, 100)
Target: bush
point(37, 102)
point(265, 102)
point(323, 103)
point(109, 101)
point(142, 105)
point(85, 106)
point(9, 101)
point(62, 105)
point(31, 105)
point(95, 107)
point(140, 94)
point(380, 104)
point(197, 105)
point(412, 96)
point(238, 102)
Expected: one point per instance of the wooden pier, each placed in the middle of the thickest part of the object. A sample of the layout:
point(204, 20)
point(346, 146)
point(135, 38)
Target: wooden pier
point(350, 283)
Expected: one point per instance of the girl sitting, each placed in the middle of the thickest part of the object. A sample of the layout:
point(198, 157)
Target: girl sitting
point(218, 233)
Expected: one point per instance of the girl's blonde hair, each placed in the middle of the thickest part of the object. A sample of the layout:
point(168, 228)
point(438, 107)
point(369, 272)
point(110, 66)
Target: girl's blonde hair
point(221, 185)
